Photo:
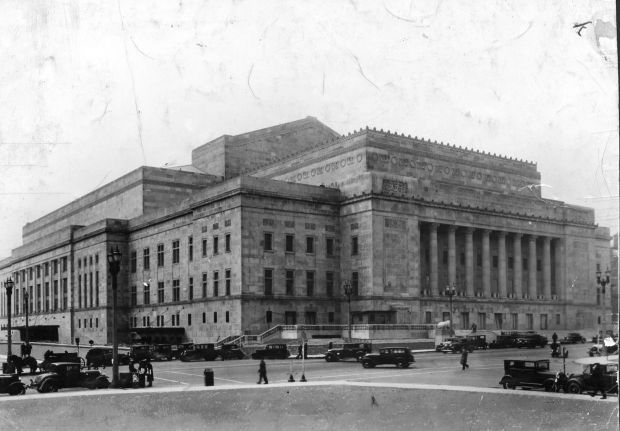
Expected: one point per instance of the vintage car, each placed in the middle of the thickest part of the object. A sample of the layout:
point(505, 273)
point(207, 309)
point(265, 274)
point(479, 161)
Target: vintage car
point(477, 342)
point(448, 343)
point(531, 340)
point(161, 352)
point(178, 349)
point(50, 357)
point(102, 357)
point(272, 351)
point(10, 384)
point(138, 352)
point(603, 349)
point(200, 352)
point(457, 345)
point(399, 356)
point(531, 374)
point(503, 341)
point(348, 351)
point(573, 338)
point(68, 375)
point(578, 383)
point(230, 351)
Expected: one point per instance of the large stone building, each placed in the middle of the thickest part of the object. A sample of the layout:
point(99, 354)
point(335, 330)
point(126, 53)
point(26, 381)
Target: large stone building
point(263, 229)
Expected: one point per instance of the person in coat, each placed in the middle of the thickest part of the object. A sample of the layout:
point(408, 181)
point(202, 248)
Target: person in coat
point(598, 381)
point(464, 354)
point(149, 372)
point(262, 372)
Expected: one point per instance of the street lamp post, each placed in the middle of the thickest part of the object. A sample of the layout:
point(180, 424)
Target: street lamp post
point(348, 290)
point(602, 280)
point(114, 264)
point(450, 292)
point(26, 307)
point(8, 285)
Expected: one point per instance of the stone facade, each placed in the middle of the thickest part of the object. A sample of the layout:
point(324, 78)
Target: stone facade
point(265, 227)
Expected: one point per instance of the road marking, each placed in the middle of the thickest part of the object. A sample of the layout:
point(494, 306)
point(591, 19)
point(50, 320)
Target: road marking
point(200, 375)
point(173, 381)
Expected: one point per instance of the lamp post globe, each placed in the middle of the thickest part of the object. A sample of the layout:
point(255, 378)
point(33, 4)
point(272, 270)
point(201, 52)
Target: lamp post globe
point(114, 266)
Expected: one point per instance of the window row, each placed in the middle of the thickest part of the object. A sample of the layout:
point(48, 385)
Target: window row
point(463, 321)
point(88, 323)
point(290, 318)
point(309, 282)
point(41, 297)
point(40, 270)
point(309, 245)
point(175, 320)
point(88, 290)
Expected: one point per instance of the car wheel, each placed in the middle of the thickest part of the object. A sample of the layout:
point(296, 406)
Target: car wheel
point(573, 388)
point(400, 364)
point(548, 385)
point(101, 383)
point(16, 389)
point(358, 358)
point(366, 364)
point(50, 386)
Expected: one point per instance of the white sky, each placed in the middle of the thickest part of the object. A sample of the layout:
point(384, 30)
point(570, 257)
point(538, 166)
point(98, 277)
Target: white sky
point(90, 90)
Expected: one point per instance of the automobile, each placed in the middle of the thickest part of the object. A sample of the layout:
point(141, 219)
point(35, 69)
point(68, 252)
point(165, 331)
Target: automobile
point(399, 356)
point(231, 351)
point(477, 342)
point(531, 374)
point(457, 345)
point(200, 352)
point(49, 357)
point(573, 338)
point(578, 383)
point(272, 351)
point(161, 352)
point(607, 348)
point(503, 342)
point(177, 349)
point(138, 352)
point(530, 340)
point(348, 351)
point(10, 384)
point(68, 375)
point(102, 356)
point(447, 342)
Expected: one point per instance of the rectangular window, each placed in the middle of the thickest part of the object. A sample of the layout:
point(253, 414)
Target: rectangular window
point(227, 316)
point(55, 295)
point(329, 283)
point(464, 320)
point(160, 292)
point(329, 247)
point(227, 281)
point(557, 319)
point(482, 321)
point(289, 243)
point(444, 317)
point(47, 296)
point(55, 266)
point(543, 321)
point(64, 264)
point(79, 279)
point(310, 317)
point(189, 320)
point(90, 281)
point(38, 297)
point(204, 284)
point(290, 318)
point(38, 271)
point(268, 274)
point(216, 246)
point(204, 247)
point(355, 279)
point(29, 273)
point(267, 241)
point(146, 259)
point(498, 319)
point(133, 261)
point(310, 244)
point(160, 255)
point(190, 248)
point(290, 282)
point(190, 293)
point(428, 317)
point(134, 295)
point(514, 320)
point(96, 288)
point(354, 246)
point(310, 283)
point(530, 321)
point(330, 317)
point(227, 243)
point(46, 267)
point(268, 316)
point(204, 317)
point(176, 290)
point(65, 294)
point(216, 283)
point(147, 294)
point(215, 317)
point(175, 251)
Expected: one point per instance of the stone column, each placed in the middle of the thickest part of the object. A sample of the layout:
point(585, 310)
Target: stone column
point(547, 267)
point(531, 267)
point(518, 284)
point(501, 251)
point(452, 255)
point(486, 264)
point(433, 259)
point(469, 261)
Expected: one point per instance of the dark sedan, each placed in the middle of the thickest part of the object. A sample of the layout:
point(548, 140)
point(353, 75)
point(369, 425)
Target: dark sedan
point(102, 356)
point(200, 352)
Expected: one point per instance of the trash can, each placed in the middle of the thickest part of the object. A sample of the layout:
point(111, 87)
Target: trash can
point(8, 368)
point(208, 377)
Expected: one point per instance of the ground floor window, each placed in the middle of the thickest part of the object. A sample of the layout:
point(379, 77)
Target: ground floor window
point(445, 316)
point(557, 319)
point(482, 321)
point(530, 321)
point(268, 316)
point(515, 320)
point(290, 318)
point(543, 321)
point(498, 317)
point(464, 320)
point(428, 317)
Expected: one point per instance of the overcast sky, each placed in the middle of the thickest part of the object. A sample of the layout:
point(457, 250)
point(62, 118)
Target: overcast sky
point(91, 90)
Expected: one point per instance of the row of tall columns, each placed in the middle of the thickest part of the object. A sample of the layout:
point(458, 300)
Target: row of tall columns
point(502, 290)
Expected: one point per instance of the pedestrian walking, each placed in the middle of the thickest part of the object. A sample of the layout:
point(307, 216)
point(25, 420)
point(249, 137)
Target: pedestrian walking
point(299, 351)
point(142, 373)
point(464, 354)
point(149, 372)
point(305, 350)
point(554, 337)
point(598, 382)
point(262, 372)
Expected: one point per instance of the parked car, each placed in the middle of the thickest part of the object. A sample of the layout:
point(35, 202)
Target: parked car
point(578, 383)
point(161, 352)
point(10, 384)
point(531, 340)
point(531, 374)
point(503, 342)
point(272, 351)
point(68, 375)
point(178, 349)
point(573, 338)
point(399, 356)
point(102, 356)
point(457, 345)
point(230, 351)
point(50, 357)
point(598, 350)
point(348, 351)
point(200, 352)
point(448, 341)
point(477, 342)
point(138, 352)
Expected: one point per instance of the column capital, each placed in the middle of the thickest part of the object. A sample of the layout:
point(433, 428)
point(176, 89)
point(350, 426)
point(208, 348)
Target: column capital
point(486, 232)
point(517, 235)
point(502, 233)
point(547, 239)
point(532, 237)
point(452, 228)
point(470, 230)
